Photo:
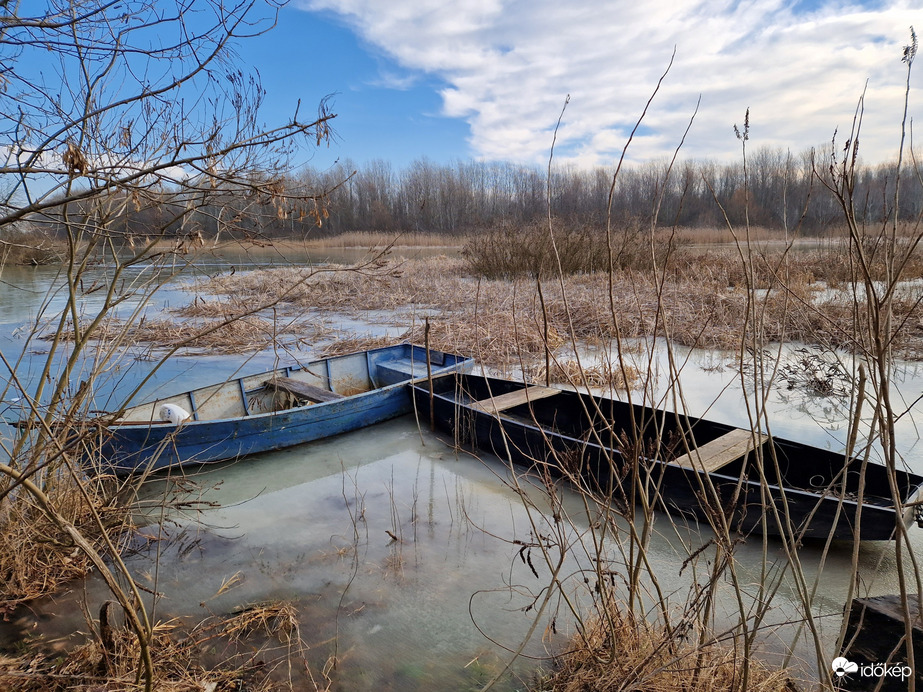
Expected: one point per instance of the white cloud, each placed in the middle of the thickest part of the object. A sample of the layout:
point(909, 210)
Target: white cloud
point(390, 80)
point(508, 65)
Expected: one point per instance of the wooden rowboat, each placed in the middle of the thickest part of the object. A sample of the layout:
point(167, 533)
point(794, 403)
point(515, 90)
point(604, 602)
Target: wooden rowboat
point(618, 450)
point(268, 410)
point(876, 644)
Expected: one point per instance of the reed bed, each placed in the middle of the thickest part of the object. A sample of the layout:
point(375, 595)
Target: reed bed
point(249, 333)
point(766, 237)
point(31, 248)
point(351, 344)
point(496, 319)
point(380, 239)
point(390, 285)
point(698, 299)
point(719, 234)
point(623, 652)
point(509, 251)
point(492, 338)
point(223, 333)
point(570, 372)
point(252, 649)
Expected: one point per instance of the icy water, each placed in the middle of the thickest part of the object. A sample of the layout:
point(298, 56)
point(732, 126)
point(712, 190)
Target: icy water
point(405, 559)
point(316, 525)
point(399, 554)
point(30, 295)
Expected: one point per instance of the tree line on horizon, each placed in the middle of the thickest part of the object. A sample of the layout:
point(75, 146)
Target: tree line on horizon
point(776, 190)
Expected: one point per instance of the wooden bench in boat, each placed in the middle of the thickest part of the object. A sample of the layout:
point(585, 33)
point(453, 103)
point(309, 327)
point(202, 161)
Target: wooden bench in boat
point(302, 390)
point(502, 402)
point(720, 452)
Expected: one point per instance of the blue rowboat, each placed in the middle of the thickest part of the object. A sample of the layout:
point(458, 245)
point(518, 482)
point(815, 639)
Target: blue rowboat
point(268, 410)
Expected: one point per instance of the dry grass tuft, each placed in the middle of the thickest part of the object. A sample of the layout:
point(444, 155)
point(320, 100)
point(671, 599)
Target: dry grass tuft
point(250, 650)
point(351, 344)
point(621, 652)
point(570, 372)
point(36, 557)
point(279, 620)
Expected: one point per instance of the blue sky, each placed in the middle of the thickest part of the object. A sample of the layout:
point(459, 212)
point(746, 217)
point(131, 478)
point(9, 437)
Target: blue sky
point(486, 79)
point(383, 110)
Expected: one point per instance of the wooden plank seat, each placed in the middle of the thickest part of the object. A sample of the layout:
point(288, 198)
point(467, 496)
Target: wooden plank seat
point(502, 402)
point(302, 390)
point(720, 452)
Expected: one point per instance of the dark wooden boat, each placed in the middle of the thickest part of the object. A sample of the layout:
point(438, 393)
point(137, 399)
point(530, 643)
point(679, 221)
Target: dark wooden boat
point(875, 647)
point(268, 410)
point(615, 449)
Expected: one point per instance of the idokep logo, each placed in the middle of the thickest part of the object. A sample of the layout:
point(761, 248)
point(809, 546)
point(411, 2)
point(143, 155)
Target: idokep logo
point(842, 666)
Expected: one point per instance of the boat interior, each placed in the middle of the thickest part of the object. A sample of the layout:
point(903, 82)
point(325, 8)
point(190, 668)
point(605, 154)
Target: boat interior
point(317, 382)
point(709, 446)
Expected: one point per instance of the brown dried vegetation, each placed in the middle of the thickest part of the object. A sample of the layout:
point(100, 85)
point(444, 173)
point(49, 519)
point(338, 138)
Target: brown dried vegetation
point(622, 652)
point(251, 649)
point(30, 248)
point(571, 372)
point(35, 556)
point(697, 297)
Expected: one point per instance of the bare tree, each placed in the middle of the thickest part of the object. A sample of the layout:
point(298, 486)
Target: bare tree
point(126, 130)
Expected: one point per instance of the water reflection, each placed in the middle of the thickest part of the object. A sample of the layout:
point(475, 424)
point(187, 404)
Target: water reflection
point(381, 541)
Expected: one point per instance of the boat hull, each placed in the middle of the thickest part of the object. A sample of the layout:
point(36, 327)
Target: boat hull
point(383, 373)
point(876, 632)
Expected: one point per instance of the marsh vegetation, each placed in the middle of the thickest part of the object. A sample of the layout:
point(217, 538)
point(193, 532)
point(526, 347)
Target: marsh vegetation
point(700, 299)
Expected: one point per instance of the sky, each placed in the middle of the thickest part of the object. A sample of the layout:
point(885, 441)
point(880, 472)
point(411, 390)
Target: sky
point(487, 79)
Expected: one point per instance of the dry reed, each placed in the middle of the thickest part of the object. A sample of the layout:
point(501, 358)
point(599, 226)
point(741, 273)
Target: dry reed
point(224, 333)
point(252, 649)
point(381, 239)
point(701, 303)
point(623, 652)
point(698, 298)
point(608, 375)
point(31, 248)
point(351, 344)
point(35, 557)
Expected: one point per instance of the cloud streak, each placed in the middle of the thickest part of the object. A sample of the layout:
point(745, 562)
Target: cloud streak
point(508, 65)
